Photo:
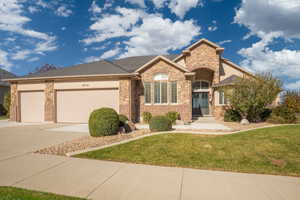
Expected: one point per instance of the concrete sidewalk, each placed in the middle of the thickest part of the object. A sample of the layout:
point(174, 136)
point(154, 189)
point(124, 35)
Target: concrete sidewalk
point(95, 179)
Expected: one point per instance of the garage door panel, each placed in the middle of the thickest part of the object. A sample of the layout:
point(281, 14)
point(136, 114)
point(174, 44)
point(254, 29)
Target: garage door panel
point(76, 105)
point(32, 106)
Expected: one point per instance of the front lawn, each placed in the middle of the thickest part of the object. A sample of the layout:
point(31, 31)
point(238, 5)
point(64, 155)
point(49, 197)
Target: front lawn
point(2, 117)
point(11, 193)
point(273, 150)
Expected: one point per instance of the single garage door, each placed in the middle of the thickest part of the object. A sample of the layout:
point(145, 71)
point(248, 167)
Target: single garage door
point(32, 106)
point(76, 105)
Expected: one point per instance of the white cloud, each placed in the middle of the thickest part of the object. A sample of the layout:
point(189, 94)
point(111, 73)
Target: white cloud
point(33, 59)
point(4, 62)
point(212, 28)
point(181, 7)
point(139, 35)
point(95, 9)
point(91, 59)
point(63, 28)
point(32, 9)
point(259, 57)
point(269, 16)
point(110, 53)
point(140, 3)
point(21, 55)
point(63, 11)
point(224, 42)
point(159, 3)
point(293, 85)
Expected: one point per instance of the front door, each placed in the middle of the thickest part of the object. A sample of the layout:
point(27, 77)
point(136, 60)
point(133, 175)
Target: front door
point(200, 103)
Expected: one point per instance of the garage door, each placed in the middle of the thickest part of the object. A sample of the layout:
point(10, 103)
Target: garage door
point(32, 106)
point(76, 105)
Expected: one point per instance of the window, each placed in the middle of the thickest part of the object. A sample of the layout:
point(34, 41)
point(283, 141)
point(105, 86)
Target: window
point(161, 77)
point(147, 92)
point(222, 98)
point(160, 92)
point(173, 92)
point(200, 85)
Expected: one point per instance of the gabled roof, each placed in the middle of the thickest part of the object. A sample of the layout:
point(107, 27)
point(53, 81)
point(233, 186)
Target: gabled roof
point(5, 75)
point(203, 40)
point(164, 59)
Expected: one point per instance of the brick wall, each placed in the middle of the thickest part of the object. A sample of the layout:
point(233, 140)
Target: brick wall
point(183, 86)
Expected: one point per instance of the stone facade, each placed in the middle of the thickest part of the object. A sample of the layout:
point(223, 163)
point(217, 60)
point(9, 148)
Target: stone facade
point(204, 56)
point(183, 86)
point(49, 101)
point(125, 106)
point(14, 102)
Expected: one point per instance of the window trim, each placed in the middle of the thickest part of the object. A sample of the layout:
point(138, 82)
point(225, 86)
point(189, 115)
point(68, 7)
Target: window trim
point(201, 90)
point(171, 92)
point(150, 84)
point(224, 101)
point(160, 93)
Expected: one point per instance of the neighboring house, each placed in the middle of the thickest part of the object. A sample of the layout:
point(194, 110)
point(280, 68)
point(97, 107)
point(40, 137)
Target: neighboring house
point(4, 86)
point(185, 83)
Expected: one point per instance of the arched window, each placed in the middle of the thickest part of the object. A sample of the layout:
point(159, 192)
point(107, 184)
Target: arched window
point(161, 77)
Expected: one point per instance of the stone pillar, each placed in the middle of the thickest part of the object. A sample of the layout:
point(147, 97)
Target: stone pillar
point(49, 102)
point(186, 95)
point(14, 102)
point(125, 97)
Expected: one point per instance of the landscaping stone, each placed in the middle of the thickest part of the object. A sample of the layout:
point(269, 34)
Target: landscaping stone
point(245, 122)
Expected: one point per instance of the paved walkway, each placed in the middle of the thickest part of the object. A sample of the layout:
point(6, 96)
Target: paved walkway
point(111, 180)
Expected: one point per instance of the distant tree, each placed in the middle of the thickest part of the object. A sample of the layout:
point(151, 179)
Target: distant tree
point(250, 96)
point(44, 68)
point(291, 99)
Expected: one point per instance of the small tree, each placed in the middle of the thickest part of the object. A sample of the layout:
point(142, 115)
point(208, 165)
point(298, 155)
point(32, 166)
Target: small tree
point(6, 103)
point(291, 99)
point(251, 95)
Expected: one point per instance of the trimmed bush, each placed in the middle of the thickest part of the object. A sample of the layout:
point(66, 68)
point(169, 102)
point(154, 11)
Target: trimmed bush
point(282, 115)
point(123, 119)
point(231, 115)
point(265, 114)
point(160, 123)
point(103, 122)
point(173, 116)
point(146, 117)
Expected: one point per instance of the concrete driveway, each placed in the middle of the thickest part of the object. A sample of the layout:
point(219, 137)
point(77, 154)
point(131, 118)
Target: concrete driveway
point(17, 139)
point(106, 180)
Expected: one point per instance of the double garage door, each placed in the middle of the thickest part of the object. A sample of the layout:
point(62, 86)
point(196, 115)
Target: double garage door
point(72, 106)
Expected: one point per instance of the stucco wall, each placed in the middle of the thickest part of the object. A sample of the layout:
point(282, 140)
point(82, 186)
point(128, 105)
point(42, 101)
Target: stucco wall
point(227, 71)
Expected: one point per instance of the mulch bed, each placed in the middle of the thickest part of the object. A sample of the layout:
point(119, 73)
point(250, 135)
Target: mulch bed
point(89, 142)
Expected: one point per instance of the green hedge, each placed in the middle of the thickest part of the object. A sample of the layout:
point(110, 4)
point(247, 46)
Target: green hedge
point(282, 115)
point(231, 115)
point(103, 122)
point(146, 117)
point(173, 116)
point(160, 123)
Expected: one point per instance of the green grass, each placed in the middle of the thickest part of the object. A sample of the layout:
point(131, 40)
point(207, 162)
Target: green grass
point(268, 151)
point(11, 193)
point(2, 117)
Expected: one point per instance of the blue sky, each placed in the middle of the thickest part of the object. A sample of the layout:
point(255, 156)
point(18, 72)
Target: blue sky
point(68, 32)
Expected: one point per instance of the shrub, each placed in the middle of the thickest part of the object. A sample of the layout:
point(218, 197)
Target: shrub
point(103, 121)
point(292, 100)
point(160, 123)
point(146, 117)
point(6, 103)
point(283, 115)
point(232, 115)
point(173, 116)
point(123, 119)
point(265, 114)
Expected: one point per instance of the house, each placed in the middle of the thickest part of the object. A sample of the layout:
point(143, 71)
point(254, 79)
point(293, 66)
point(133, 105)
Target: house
point(185, 83)
point(4, 86)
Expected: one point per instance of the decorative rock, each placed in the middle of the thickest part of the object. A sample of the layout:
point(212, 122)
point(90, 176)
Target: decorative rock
point(245, 122)
point(131, 126)
point(122, 129)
